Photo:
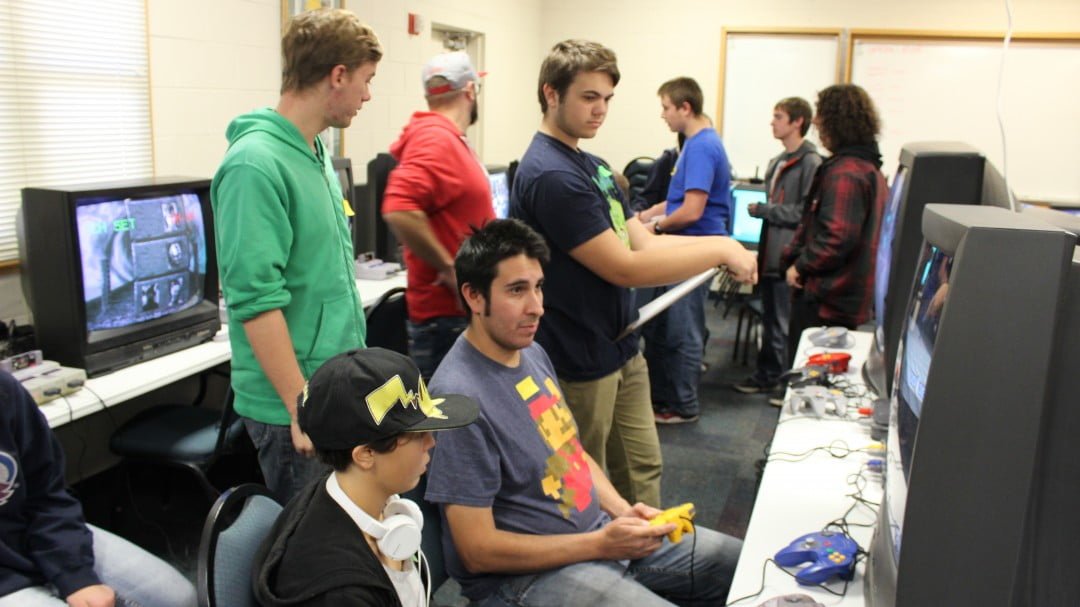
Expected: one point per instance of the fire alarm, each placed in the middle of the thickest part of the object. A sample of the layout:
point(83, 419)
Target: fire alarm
point(416, 24)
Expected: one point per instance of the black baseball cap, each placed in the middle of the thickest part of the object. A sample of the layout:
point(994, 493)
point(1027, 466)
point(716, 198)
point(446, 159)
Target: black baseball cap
point(370, 394)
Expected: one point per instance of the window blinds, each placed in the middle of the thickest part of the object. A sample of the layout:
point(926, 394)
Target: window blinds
point(74, 99)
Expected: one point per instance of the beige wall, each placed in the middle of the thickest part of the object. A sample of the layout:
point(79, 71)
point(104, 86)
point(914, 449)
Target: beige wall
point(210, 60)
point(213, 59)
point(655, 44)
point(511, 55)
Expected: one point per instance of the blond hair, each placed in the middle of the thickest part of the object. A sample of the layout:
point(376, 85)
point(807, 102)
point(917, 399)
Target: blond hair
point(317, 41)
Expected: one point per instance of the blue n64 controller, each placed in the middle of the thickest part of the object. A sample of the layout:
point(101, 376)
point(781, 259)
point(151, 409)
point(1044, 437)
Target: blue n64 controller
point(829, 553)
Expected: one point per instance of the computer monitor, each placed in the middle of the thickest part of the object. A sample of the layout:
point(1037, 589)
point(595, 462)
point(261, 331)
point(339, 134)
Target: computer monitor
point(745, 228)
point(928, 172)
point(500, 192)
point(370, 232)
point(119, 273)
point(981, 392)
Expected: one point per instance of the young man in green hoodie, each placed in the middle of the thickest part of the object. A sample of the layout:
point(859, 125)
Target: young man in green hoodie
point(283, 243)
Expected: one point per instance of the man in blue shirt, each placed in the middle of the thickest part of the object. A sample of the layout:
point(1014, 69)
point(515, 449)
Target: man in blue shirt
point(698, 204)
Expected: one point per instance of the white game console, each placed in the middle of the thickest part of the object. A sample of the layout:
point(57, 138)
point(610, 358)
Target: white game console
point(376, 269)
point(57, 382)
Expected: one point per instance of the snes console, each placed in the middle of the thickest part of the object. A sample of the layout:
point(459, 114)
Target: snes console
point(57, 382)
point(818, 400)
point(43, 379)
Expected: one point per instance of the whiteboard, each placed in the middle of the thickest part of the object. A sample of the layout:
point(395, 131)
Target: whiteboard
point(757, 70)
point(946, 90)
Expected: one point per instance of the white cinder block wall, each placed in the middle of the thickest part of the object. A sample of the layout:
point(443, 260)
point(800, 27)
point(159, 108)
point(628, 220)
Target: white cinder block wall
point(213, 59)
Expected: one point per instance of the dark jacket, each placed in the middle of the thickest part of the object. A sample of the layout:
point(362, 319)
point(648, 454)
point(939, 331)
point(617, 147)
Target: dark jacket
point(656, 186)
point(43, 536)
point(316, 556)
point(835, 245)
point(786, 201)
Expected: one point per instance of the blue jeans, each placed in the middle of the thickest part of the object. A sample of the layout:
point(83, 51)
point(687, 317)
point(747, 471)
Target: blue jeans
point(284, 470)
point(674, 347)
point(662, 578)
point(772, 359)
point(139, 578)
point(429, 341)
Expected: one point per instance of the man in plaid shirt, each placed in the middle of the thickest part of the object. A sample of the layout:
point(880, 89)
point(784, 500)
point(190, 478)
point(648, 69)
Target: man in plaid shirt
point(830, 261)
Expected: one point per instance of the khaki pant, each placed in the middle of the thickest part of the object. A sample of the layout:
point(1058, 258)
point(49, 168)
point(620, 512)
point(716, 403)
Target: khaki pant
point(615, 421)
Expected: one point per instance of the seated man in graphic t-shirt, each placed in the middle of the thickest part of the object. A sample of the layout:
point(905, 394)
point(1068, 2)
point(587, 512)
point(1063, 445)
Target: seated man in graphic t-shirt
point(531, 518)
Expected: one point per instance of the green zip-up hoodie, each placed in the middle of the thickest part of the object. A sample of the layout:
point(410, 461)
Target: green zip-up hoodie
point(283, 242)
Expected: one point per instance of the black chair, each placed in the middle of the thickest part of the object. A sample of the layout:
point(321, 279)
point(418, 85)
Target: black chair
point(637, 174)
point(751, 312)
point(431, 539)
point(748, 327)
point(386, 322)
point(180, 435)
point(237, 524)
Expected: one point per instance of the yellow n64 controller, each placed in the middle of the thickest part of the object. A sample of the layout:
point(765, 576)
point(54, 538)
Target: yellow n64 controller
point(681, 516)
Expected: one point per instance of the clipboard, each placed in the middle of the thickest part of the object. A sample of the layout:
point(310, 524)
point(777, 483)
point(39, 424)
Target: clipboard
point(649, 311)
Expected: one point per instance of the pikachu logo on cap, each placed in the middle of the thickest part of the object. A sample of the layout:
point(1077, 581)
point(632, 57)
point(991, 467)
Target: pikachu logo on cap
point(384, 398)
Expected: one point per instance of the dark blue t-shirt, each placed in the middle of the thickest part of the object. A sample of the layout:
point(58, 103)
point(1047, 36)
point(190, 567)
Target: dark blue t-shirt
point(569, 197)
point(703, 165)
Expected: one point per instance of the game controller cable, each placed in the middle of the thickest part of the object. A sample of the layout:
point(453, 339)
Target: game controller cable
point(837, 449)
point(842, 525)
point(761, 588)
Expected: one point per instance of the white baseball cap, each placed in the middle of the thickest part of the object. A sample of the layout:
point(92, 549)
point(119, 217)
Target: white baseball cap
point(455, 67)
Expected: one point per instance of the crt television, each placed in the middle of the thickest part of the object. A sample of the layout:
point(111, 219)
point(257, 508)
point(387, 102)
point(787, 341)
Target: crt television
point(745, 228)
point(928, 172)
point(980, 495)
point(119, 273)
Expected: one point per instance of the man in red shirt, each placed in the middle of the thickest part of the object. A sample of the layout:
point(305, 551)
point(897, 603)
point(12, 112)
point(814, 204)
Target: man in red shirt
point(436, 195)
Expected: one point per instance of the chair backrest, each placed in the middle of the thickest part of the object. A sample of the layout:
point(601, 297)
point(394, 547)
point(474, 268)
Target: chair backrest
point(431, 540)
point(637, 174)
point(230, 426)
point(238, 523)
point(386, 322)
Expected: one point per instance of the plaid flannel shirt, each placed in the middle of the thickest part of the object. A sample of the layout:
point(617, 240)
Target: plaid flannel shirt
point(835, 245)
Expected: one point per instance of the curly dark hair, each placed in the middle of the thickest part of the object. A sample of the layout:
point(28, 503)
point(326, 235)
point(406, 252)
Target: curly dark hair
point(846, 116)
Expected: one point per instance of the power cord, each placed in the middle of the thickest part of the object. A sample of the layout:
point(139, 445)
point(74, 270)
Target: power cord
point(837, 449)
point(423, 565)
point(761, 588)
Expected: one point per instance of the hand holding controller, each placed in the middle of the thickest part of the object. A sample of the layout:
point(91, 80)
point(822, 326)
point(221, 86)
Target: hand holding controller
point(681, 516)
point(829, 553)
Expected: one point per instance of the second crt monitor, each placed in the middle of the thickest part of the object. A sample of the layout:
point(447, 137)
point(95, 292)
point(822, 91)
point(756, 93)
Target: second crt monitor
point(744, 228)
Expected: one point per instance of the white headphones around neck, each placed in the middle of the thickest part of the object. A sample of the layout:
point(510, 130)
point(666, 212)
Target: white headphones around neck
point(398, 534)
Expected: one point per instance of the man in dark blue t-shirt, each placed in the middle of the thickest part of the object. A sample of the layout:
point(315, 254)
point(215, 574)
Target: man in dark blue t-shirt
point(597, 254)
point(698, 203)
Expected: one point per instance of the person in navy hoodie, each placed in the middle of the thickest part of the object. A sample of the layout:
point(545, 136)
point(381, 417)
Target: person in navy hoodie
point(48, 554)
